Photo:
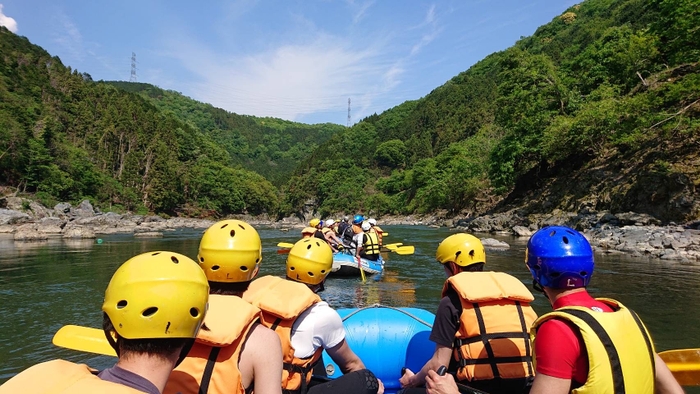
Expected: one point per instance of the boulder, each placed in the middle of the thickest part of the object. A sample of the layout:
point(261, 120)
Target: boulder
point(9, 216)
point(520, 231)
point(85, 209)
point(80, 232)
point(490, 243)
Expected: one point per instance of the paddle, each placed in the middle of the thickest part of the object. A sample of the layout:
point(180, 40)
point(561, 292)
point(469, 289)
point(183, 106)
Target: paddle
point(362, 272)
point(403, 250)
point(285, 245)
point(385, 234)
point(84, 339)
point(393, 246)
point(684, 364)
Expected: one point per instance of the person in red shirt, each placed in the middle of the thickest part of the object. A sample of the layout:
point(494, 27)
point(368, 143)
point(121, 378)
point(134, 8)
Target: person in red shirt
point(594, 345)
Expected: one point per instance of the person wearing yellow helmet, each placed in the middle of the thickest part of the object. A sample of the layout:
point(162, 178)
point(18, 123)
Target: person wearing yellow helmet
point(154, 306)
point(306, 325)
point(481, 325)
point(233, 352)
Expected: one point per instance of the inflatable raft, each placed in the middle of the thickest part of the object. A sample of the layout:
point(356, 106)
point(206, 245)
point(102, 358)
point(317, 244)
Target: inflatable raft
point(386, 339)
point(345, 265)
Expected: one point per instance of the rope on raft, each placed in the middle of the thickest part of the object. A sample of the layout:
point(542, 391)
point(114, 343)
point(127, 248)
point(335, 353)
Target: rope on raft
point(416, 318)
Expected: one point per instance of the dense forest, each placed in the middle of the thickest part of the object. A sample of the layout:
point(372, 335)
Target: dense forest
point(271, 147)
point(66, 138)
point(600, 104)
point(598, 108)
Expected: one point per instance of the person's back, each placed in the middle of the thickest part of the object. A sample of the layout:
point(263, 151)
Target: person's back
point(154, 305)
point(233, 352)
point(369, 247)
point(590, 345)
point(306, 325)
point(481, 325)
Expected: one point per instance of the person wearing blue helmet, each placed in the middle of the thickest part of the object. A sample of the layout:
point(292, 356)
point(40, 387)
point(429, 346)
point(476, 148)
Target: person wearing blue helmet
point(351, 231)
point(588, 345)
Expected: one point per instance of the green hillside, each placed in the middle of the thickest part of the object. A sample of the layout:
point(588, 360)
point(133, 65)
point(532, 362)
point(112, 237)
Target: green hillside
point(600, 107)
point(269, 146)
point(66, 138)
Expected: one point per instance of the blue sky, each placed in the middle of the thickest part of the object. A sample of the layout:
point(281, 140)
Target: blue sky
point(294, 59)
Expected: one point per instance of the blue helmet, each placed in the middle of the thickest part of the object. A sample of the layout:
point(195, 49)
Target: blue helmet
point(358, 219)
point(560, 258)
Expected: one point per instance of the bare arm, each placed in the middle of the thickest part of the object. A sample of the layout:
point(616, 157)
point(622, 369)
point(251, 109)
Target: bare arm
point(440, 357)
point(264, 349)
point(665, 382)
point(346, 359)
point(545, 384)
point(436, 384)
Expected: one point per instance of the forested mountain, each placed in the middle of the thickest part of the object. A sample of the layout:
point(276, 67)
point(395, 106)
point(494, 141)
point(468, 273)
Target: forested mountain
point(600, 108)
point(271, 147)
point(66, 138)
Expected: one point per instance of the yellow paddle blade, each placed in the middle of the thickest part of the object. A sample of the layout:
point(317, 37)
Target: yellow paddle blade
point(385, 234)
point(684, 364)
point(393, 246)
point(84, 339)
point(285, 245)
point(403, 250)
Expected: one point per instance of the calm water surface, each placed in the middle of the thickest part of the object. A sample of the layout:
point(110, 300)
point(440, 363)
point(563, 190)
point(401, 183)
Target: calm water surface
point(46, 285)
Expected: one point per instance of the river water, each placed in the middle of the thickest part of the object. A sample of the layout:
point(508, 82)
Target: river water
point(46, 285)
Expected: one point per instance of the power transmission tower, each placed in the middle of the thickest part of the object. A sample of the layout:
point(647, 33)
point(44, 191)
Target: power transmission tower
point(349, 112)
point(133, 67)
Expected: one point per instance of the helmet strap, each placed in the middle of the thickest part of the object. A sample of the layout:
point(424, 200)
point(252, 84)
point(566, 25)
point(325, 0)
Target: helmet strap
point(111, 341)
point(537, 287)
point(185, 350)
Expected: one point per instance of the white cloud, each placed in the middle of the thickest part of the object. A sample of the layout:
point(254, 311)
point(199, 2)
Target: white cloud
point(361, 11)
point(431, 23)
point(69, 37)
point(291, 80)
point(8, 22)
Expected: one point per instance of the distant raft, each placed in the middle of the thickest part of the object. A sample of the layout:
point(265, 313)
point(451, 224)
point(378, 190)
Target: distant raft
point(345, 265)
point(386, 339)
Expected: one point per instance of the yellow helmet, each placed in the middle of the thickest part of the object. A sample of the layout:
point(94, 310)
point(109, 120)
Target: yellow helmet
point(314, 222)
point(157, 295)
point(230, 251)
point(309, 261)
point(461, 249)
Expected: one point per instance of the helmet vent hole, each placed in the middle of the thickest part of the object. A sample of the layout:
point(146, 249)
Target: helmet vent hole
point(241, 226)
point(257, 260)
point(244, 268)
point(565, 239)
point(458, 253)
point(583, 273)
point(225, 225)
point(174, 259)
point(308, 247)
point(215, 267)
point(291, 268)
point(318, 244)
point(121, 304)
point(150, 311)
point(323, 271)
point(233, 233)
point(551, 233)
point(311, 274)
point(471, 253)
point(155, 254)
point(194, 312)
point(201, 259)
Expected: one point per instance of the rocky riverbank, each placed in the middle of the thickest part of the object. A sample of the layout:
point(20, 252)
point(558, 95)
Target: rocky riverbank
point(629, 233)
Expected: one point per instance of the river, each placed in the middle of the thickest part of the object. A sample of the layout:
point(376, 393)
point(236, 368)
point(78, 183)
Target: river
point(46, 285)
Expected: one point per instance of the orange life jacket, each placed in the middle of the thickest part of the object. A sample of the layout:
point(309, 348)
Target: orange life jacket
point(61, 376)
point(492, 340)
point(308, 232)
point(380, 234)
point(211, 365)
point(281, 302)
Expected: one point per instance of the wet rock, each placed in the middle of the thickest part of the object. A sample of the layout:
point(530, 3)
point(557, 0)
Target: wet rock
point(521, 231)
point(490, 243)
point(28, 232)
point(80, 232)
point(85, 209)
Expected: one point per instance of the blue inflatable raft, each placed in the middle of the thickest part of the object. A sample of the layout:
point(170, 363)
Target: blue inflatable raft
point(345, 265)
point(386, 339)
